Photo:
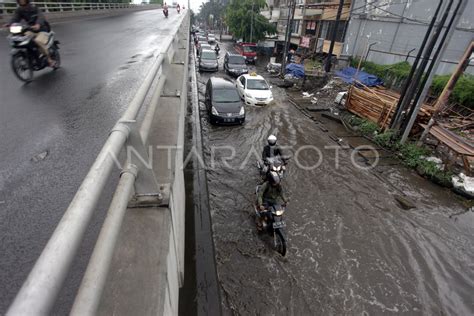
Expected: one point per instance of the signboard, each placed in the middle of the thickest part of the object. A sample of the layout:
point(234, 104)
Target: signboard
point(305, 41)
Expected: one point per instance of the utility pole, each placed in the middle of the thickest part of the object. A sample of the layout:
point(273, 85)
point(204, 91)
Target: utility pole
point(251, 23)
point(289, 24)
point(327, 66)
point(448, 89)
point(421, 95)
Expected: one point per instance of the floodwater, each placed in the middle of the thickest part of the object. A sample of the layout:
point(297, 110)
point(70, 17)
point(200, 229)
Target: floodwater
point(352, 250)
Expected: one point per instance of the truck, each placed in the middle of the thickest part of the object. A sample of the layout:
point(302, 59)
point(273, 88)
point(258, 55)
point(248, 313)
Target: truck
point(248, 50)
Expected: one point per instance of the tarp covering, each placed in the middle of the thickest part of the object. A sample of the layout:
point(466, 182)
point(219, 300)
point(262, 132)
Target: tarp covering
point(347, 75)
point(296, 70)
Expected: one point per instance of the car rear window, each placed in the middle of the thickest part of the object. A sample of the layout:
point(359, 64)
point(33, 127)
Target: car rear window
point(236, 60)
point(226, 95)
point(208, 55)
point(250, 49)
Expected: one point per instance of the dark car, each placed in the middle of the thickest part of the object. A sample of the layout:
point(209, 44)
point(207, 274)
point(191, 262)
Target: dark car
point(223, 102)
point(208, 60)
point(235, 65)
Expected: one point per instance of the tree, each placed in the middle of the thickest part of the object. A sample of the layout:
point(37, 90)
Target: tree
point(211, 13)
point(239, 19)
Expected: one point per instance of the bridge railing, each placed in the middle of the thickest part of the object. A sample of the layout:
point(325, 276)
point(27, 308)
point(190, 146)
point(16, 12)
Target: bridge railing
point(137, 185)
point(9, 7)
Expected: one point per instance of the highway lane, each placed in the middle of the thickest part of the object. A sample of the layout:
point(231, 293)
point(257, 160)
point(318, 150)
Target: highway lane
point(52, 129)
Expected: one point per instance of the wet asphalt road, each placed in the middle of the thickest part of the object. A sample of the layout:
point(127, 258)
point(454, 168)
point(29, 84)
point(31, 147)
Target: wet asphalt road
point(352, 249)
point(61, 120)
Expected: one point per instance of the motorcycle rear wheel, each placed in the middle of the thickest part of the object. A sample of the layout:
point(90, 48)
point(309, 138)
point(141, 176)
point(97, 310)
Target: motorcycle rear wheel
point(56, 57)
point(280, 242)
point(22, 67)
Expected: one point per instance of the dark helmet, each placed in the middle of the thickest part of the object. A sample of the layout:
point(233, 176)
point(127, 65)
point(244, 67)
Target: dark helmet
point(272, 140)
point(274, 178)
point(26, 2)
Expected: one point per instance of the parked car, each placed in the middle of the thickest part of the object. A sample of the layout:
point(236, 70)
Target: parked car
point(254, 89)
point(200, 38)
point(235, 65)
point(211, 38)
point(248, 50)
point(223, 102)
point(208, 61)
point(203, 46)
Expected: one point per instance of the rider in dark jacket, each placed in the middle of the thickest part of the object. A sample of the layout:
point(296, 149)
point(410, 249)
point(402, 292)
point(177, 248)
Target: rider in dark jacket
point(34, 17)
point(31, 14)
point(272, 149)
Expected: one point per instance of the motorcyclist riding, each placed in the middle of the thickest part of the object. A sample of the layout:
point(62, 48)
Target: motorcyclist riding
point(178, 8)
point(165, 9)
point(270, 193)
point(34, 17)
point(272, 149)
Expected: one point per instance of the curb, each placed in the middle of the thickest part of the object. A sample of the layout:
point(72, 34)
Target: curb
point(208, 296)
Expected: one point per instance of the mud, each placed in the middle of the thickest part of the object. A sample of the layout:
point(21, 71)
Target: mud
point(352, 248)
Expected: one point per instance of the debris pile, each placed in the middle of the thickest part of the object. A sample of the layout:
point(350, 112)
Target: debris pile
point(378, 105)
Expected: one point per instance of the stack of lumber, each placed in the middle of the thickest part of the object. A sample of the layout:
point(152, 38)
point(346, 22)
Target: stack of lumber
point(378, 105)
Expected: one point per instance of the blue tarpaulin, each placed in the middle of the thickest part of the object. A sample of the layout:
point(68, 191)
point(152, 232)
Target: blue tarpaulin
point(296, 70)
point(347, 75)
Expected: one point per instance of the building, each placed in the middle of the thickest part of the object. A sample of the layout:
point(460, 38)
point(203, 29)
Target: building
point(312, 24)
point(395, 30)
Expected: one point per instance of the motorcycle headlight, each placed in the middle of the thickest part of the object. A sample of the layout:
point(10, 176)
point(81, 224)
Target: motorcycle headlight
point(279, 212)
point(242, 111)
point(16, 29)
point(214, 111)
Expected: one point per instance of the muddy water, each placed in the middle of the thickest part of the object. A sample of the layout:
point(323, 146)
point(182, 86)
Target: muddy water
point(352, 249)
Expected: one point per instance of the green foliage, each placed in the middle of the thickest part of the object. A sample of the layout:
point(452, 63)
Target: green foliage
point(431, 170)
point(211, 13)
point(368, 128)
point(463, 92)
point(411, 154)
point(386, 139)
point(239, 19)
point(365, 127)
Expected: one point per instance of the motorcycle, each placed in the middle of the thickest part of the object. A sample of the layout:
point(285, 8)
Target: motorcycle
point(273, 223)
point(26, 56)
point(178, 9)
point(165, 12)
point(272, 164)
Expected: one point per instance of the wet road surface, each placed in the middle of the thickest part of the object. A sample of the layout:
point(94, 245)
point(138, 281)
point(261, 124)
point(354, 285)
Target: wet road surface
point(52, 129)
point(351, 249)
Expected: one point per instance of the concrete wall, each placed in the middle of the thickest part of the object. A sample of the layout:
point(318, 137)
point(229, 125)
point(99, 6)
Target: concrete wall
point(398, 36)
point(148, 264)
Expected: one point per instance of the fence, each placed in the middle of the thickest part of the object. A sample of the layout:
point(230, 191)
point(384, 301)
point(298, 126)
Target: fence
point(7, 8)
point(137, 185)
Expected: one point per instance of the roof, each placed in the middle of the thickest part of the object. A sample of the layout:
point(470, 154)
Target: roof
point(252, 76)
point(222, 83)
point(234, 55)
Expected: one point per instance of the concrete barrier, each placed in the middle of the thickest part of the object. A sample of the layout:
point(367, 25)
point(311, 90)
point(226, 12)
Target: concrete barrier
point(148, 264)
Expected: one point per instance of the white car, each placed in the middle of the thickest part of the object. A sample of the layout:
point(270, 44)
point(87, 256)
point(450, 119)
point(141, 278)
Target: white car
point(254, 90)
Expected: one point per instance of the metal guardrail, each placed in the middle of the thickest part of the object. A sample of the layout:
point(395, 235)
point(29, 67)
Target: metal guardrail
point(40, 291)
point(9, 7)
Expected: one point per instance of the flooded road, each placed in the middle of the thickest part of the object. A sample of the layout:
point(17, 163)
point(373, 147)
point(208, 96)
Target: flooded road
point(351, 248)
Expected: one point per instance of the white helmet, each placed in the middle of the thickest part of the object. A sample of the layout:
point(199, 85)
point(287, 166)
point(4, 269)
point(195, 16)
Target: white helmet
point(272, 140)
